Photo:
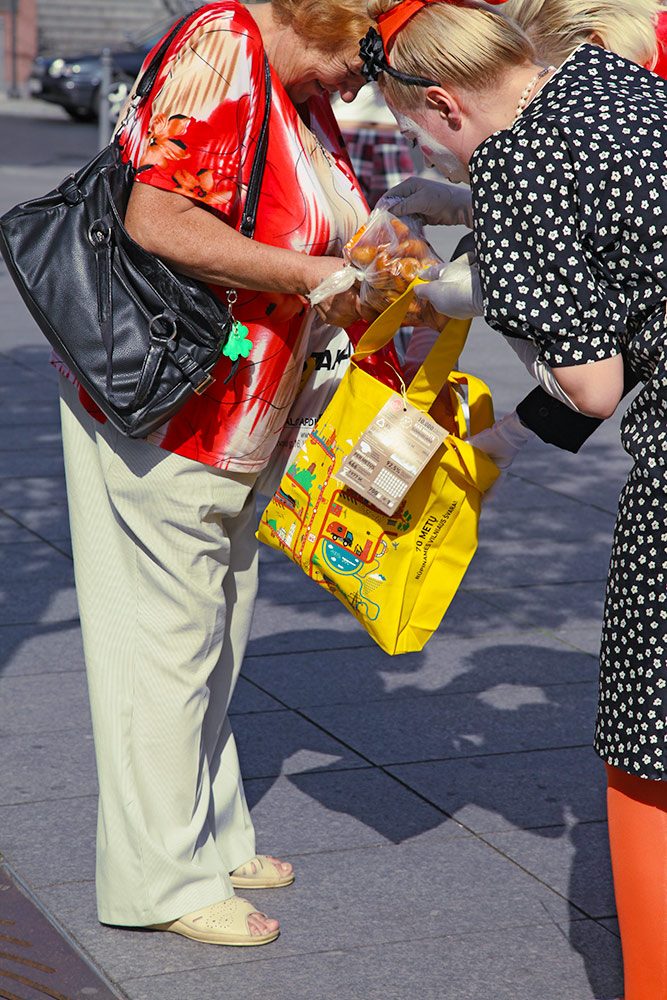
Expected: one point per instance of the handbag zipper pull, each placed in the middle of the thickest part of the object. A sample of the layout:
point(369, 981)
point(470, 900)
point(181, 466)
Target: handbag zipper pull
point(238, 345)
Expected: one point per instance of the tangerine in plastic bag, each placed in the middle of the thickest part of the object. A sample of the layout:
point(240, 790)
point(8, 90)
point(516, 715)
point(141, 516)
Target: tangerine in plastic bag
point(389, 253)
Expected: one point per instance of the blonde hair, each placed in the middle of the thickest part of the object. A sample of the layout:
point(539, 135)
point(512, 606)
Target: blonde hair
point(466, 45)
point(325, 23)
point(556, 27)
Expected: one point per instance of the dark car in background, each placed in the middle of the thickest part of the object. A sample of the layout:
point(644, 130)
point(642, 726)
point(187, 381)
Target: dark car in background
point(74, 81)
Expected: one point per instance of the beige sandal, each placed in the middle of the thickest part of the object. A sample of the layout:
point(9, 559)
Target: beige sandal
point(222, 923)
point(259, 873)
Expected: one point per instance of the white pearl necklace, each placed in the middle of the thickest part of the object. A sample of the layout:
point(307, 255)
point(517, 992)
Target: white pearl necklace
point(527, 93)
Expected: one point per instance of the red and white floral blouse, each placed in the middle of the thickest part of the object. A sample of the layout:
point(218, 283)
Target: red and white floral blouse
point(196, 137)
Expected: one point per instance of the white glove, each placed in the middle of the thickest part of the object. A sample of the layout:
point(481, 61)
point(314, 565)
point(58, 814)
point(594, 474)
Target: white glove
point(504, 440)
point(453, 289)
point(527, 353)
point(438, 204)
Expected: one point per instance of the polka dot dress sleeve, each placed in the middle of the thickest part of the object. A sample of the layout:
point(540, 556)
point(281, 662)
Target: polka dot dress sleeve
point(540, 281)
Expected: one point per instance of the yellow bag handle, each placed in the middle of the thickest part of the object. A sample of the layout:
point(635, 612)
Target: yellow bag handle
point(438, 364)
point(480, 404)
point(473, 464)
point(382, 330)
point(430, 379)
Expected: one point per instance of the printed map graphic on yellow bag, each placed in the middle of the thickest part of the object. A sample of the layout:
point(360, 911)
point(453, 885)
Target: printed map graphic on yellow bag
point(396, 573)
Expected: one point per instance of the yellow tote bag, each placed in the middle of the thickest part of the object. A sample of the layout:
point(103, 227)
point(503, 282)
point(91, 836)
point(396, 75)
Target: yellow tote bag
point(397, 574)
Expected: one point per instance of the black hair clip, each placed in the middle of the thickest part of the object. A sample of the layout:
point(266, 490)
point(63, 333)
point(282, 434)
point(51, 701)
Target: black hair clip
point(372, 55)
point(374, 62)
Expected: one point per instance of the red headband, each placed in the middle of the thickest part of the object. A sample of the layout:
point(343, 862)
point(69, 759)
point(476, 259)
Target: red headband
point(390, 23)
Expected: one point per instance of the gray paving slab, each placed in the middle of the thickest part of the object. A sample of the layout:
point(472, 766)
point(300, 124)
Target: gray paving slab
point(20, 381)
point(501, 719)
point(562, 608)
point(594, 476)
point(40, 649)
point(584, 637)
point(249, 698)
point(522, 791)
point(51, 842)
point(49, 523)
point(54, 602)
point(46, 766)
point(14, 533)
point(25, 381)
point(612, 925)
point(545, 524)
point(373, 896)
point(340, 810)
point(30, 366)
point(582, 557)
point(513, 493)
point(282, 742)
point(42, 961)
point(19, 378)
point(36, 584)
point(34, 354)
point(281, 582)
point(573, 860)
point(447, 664)
point(31, 463)
point(30, 413)
point(529, 963)
point(52, 702)
point(32, 491)
point(40, 562)
point(285, 627)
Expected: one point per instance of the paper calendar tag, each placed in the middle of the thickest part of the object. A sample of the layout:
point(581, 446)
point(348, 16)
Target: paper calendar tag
point(391, 453)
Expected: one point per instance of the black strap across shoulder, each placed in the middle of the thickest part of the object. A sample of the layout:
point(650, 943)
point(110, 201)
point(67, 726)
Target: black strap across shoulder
point(145, 86)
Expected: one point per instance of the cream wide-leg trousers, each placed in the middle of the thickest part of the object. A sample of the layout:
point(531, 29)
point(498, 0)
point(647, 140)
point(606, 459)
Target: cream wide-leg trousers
point(166, 574)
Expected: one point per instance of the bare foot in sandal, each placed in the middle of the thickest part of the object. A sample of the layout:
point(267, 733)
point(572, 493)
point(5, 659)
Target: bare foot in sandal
point(233, 921)
point(259, 924)
point(262, 872)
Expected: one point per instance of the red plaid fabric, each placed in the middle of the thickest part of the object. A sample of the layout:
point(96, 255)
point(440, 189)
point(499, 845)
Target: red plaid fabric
point(380, 159)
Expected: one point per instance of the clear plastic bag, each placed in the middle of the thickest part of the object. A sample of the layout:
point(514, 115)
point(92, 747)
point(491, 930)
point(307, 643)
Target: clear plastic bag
point(383, 258)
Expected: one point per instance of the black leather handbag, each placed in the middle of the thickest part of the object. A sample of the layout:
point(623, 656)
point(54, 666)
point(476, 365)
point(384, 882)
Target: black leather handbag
point(140, 337)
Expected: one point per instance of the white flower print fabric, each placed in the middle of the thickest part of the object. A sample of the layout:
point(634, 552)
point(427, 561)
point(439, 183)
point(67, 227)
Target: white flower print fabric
point(570, 208)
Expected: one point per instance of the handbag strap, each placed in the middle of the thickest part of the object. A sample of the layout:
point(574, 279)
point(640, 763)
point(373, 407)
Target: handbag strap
point(149, 77)
point(145, 86)
point(257, 173)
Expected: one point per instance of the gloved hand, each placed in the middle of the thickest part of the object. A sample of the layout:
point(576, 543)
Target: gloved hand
point(504, 440)
point(453, 289)
point(527, 353)
point(439, 204)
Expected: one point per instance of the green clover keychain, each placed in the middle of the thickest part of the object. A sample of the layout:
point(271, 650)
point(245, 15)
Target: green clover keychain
point(238, 344)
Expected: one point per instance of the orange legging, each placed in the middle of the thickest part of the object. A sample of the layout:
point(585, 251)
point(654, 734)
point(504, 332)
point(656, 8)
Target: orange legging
point(637, 812)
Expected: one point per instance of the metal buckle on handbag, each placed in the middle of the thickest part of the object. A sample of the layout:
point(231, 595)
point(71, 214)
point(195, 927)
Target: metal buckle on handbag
point(157, 334)
point(168, 338)
point(99, 234)
point(203, 386)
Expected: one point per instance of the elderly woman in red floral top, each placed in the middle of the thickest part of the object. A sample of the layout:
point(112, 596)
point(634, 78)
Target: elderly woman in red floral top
point(163, 529)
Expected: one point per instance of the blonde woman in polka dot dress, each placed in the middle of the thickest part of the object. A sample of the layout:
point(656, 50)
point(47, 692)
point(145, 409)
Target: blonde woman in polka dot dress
point(567, 171)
